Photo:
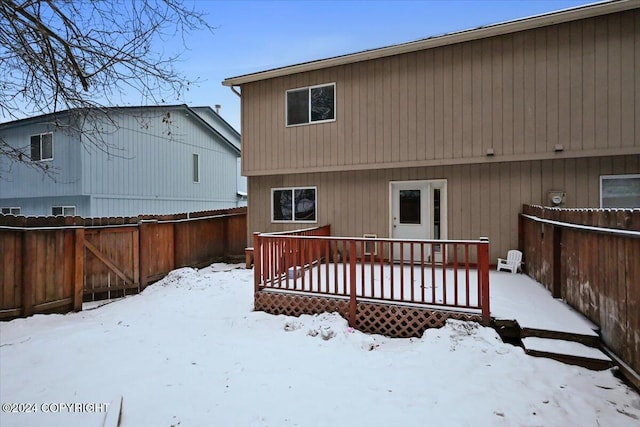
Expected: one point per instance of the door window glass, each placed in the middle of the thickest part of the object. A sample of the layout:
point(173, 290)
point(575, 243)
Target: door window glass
point(410, 206)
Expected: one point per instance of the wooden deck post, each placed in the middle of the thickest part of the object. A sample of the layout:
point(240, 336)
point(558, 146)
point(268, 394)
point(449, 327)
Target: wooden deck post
point(352, 283)
point(248, 257)
point(257, 261)
point(483, 271)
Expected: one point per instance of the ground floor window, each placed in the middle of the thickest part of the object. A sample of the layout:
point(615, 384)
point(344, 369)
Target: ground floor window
point(63, 210)
point(10, 211)
point(620, 191)
point(293, 204)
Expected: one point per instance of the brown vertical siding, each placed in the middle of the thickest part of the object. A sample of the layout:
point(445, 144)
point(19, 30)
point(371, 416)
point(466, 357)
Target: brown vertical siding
point(483, 200)
point(573, 84)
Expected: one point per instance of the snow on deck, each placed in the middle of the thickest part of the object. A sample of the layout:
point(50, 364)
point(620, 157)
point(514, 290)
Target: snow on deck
point(512, 296)
point(519, 297)
point(406, 283)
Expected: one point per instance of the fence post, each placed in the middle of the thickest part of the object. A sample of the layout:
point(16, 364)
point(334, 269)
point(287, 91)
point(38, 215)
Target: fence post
point(225, 237)
point(521, 236)
point(556, 286)
point(143, 244)
point(352, 283)
point(78, 268)
point(483, 264)
point(28, 275)
point(135, 242)
point(178, 240)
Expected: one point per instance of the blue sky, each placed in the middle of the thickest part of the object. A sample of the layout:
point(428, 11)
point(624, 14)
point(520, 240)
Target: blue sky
point(254, 36)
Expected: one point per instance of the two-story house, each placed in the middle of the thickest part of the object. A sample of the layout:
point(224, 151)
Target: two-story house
point(447, 137)
point(122, 161)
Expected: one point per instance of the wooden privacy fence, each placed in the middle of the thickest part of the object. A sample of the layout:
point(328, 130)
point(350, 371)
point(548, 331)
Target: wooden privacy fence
point(53, 264)
point(377, 271)
point(591, 259)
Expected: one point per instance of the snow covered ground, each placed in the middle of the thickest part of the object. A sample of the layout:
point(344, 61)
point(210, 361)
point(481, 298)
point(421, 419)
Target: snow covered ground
point(189, 351)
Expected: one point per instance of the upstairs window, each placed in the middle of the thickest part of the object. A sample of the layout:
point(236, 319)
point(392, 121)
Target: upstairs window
point(620, 191)
point(10, 211)
point(42, 147)
point(63, 210)
point(313, 104)
point(293, 204)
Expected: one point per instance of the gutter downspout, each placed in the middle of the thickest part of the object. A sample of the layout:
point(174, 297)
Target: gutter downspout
point(238, 199)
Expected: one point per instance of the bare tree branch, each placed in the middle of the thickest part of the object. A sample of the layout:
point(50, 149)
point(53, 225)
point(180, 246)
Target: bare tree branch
point(60, 55)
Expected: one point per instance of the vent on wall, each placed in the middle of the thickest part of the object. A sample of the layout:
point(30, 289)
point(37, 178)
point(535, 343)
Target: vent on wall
point(370, 248)
point(556, 198)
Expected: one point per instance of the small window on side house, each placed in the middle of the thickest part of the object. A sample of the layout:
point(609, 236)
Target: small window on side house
point(196, 167)
point(293, 204)
point(620, 191)
point(313, 104)
point(42, 147)
point(63, 210)
point(10, 211)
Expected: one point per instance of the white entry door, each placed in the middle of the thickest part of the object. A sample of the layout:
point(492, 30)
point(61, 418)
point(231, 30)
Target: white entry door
point(418, 211)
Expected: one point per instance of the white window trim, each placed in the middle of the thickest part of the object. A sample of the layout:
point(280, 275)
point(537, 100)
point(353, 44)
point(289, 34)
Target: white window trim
point(284, 221)
point(63, 209)
point(195, 156)
point(607, 177)
point(309, 122)
point(48, 159)
point(11, 209)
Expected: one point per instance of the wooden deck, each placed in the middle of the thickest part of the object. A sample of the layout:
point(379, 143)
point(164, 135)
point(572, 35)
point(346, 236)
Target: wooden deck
point(386, 286)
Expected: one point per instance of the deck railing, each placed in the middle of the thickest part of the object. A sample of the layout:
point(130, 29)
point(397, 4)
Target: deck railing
point(450, 274)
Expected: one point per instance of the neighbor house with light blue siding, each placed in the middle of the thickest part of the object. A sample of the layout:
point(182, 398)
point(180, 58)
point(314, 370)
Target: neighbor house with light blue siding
point(122, 161)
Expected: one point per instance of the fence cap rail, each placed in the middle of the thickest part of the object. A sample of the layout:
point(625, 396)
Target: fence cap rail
point(53, 227)
point(614, 231)
point(22, 222)
point(88, 226)
point(558, 209)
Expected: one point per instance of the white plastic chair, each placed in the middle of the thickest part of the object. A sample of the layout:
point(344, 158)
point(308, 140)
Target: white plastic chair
point(513, 263)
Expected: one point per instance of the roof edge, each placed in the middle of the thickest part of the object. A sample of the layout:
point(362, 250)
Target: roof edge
point(123, 109)
point(222, 119)
point(80, 110)
point(521, 24)
point(215, 131)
